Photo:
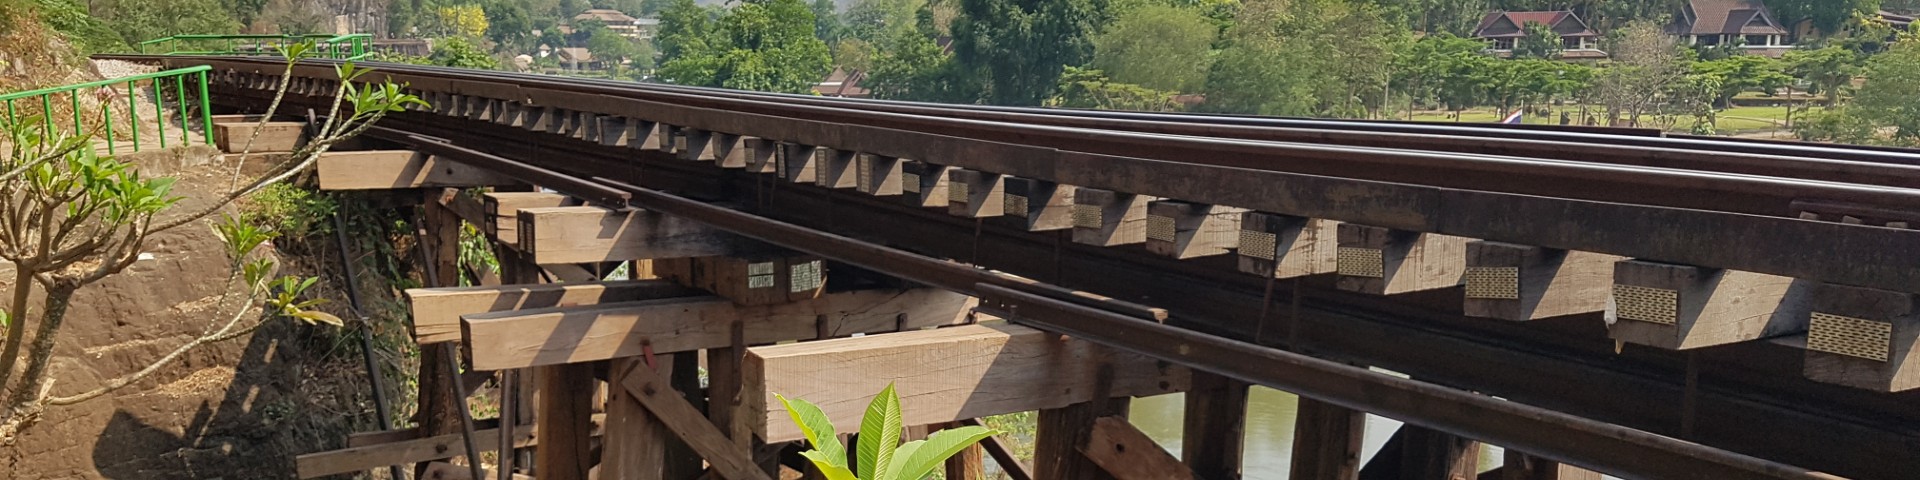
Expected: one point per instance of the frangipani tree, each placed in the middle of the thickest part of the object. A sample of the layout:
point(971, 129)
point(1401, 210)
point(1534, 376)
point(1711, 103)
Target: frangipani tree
point(881, 456)
point(70, 217)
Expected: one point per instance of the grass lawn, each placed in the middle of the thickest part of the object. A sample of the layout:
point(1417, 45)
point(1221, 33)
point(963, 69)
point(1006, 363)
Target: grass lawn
point(1737, 119)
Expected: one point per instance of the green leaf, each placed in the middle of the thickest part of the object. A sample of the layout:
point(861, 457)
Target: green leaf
point(315, 316)
point(933, 451)
point(817, 428)
point(826, 464)
point(900, 455)
point(879, 432)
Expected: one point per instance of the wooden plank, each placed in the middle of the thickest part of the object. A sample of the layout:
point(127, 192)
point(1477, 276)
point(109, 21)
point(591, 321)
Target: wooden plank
point(365, 457)
point(643, 134)
point(1106, 218)
point(760, 154)
point(391, 169)
point(728, 150)
point(1040, 206)
point(657, 394)
point(637, 445)
point(1185, 230)
point(1214, 426)
point(1059, 435)
point(924, 184)
point(611, 131)
point(1286, 246)
point(1327, 441)
point(758, 279)
point(1384, 261)
point(273, 136)
point(975, 194)
point(1128, 454)
point(563, 417)
point(797, 162)
point(503, 212)
point(448, 471)
point(1026, 369)
point(698, 146)
point(437, 311)
point(1681, 307)
point(551, 336)
point(835, 168)
point(597, 234)
point(1864, 338)
point(879, 175)
point(1522, 282)
point(1521, 466)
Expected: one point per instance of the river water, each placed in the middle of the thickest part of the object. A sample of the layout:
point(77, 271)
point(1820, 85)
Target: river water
point(1269, 435)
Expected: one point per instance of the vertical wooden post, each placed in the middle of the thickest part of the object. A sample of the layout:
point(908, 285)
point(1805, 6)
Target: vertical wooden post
point(1326, 441)
point(1062, 431)
point(1420, 453)
point(438, 401)
point(1521, 466)
point(564, 421)
point(966, 465)
point(725, 403)
point(1215, 426)
point(635, 444)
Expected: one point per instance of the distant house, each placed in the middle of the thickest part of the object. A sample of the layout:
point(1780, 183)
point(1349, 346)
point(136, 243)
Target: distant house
point(576, 58)
point(621, 23)
point(1504, 29)
point(843, 83)
point(1721, 22)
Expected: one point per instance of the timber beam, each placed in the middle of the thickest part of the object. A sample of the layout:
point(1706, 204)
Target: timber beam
point(976, 194)
point(1039, 205)
point(1522, 282)
point(1126, 453)
point(502, 212)
point(395, 169)
point(1001, 368)
point(924, 184)
point(1864, 338)
point(1105, 218)
point(437, 311)
point(1286, 246)
point(597, 234)
point(1384, 261)
point(1681, 307)
point(880, 175)
point(551, 336)
point(1184, 230)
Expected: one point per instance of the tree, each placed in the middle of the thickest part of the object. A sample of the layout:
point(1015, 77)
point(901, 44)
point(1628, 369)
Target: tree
point(826, 24)
point(1886, 97)
point(1540, 42)
point(460, 52)
point(876, 21)
point(685, 28)
point(764, 45)
point(509, 26)
point(1741, 73)
point(1440, 67)
point(913, 67)
point(1258, 76)
point(1021, 47)
point(462, 20)
point(1085, 88)
point(1826, 15)
point(80, 218)
point(1157, 47)
point(1645, 63)
point(142, 20)
point(1337, 59)
point(1826, 71)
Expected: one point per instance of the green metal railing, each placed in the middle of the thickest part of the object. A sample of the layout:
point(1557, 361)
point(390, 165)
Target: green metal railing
point(353, 46)
point(186, 81)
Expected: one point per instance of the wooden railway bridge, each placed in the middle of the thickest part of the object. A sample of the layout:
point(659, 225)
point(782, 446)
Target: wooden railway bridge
point(1594, 300)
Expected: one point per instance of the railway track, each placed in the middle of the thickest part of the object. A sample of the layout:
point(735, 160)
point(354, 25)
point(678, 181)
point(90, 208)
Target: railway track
point(1816, 213)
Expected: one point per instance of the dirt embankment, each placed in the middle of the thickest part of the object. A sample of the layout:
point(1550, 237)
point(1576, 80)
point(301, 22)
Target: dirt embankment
point(238, 410)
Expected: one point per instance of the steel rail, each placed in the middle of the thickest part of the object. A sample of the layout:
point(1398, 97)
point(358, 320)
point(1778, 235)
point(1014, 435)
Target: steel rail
point(1680, 188)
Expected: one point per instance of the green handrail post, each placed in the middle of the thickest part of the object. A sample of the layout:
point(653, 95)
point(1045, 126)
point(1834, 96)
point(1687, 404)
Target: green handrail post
point(180, 88)
point(133, 113)
point(160, 111)
point(206, 110)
